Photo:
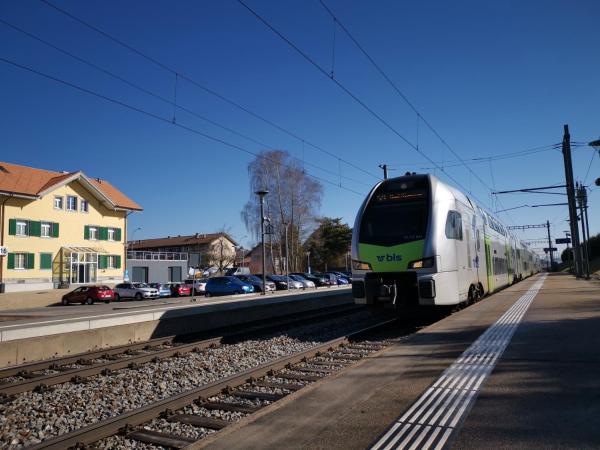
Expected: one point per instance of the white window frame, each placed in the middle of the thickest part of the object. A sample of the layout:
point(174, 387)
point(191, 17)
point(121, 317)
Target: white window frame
point(110, 262)
point(87, 206)
point(21, 224)
point(48, 226)
point(21, 258)
point(74, 209)
point(62, 202)
point(93, 233)
point(111, 234)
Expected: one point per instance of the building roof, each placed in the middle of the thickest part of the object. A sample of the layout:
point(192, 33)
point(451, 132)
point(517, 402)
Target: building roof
point(178, 241)
point(34, 183)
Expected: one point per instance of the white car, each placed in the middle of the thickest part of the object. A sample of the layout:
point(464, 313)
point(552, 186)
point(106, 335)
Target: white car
point(293, 283)
point(139, 291)
point(306, 284)
point(199, 285)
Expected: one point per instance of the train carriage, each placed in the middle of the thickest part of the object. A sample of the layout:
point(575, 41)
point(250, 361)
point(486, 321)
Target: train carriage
point(420, 242)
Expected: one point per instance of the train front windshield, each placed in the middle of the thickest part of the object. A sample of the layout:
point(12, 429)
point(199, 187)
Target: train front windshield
point(397, 213)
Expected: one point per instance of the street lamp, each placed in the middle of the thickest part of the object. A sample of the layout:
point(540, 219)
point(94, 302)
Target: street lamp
point(261, 195)
point(287, 252)
point(308, 261)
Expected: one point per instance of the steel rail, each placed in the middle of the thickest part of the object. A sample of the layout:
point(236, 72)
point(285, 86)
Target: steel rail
point(113, 425)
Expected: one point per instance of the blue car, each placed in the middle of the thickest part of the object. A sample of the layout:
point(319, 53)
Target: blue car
point(227, 286)
point(163, 289)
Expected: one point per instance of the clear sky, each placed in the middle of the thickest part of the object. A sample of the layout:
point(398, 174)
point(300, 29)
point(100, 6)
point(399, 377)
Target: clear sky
point(491, 77)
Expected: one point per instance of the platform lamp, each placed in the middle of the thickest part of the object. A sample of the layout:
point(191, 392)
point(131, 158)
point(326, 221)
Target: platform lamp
point(261, 195)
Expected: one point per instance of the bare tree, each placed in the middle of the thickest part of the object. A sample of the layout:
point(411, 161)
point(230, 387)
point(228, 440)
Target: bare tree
point(294, 199)
point(221, 253)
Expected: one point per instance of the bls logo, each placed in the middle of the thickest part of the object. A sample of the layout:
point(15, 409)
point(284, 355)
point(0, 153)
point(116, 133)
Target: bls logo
point(389, 258)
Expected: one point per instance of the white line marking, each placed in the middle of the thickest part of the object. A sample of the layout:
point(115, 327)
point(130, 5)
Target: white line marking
point(448, 399)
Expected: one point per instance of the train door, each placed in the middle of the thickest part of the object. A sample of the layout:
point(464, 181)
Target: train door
point(488, 264)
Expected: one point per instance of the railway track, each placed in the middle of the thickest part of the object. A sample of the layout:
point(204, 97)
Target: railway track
point(242, 393)
point(41, 375)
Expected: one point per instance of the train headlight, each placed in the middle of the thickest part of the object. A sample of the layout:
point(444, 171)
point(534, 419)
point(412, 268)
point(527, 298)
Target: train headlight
point(425, 263)
point(361, 265)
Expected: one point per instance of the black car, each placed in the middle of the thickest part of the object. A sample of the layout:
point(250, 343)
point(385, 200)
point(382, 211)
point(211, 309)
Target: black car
point(280, 281)
point(256, 282)
point(319, 281)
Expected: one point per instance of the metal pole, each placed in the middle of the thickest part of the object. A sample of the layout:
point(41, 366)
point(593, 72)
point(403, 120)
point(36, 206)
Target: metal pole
point(549, 246)
point(582, 200)
point(569, 258)
point(384, 167)
point(308, 261)
point(587, 232)
point(287, 271)
point(261, 195)
point(566, 150)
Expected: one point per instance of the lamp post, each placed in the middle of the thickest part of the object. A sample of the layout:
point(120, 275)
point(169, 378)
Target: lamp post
point(287, 270)
point(308, 261)
point(261, 195)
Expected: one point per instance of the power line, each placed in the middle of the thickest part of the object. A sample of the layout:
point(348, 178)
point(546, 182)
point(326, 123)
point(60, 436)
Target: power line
point(173, 103)
point(204, 88)
point(350, 93)
point(157, 117)
point(589, 167)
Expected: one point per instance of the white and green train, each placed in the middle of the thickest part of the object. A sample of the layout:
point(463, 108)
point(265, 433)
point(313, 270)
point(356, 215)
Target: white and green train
point(420, 242)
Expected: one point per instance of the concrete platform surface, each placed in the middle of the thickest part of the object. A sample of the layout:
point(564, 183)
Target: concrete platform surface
point(541, 391)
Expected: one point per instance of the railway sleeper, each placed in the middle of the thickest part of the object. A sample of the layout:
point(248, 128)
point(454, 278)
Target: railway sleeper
point(338, 363)
point(234, 407)
point(314, 369)
point(297, 377)
point(162, 439)
point(272, 384)
point(251, 395)
point(346, 356)
point(199, 421)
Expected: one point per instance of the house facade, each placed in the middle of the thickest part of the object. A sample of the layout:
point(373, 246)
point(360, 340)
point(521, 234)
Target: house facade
point(60, 229)
point(203, 250)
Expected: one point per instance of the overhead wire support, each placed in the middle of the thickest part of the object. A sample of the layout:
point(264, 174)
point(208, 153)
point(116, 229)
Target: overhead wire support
point(203, 87)
point(173, 102)
point(351, 94)
point(153, 115)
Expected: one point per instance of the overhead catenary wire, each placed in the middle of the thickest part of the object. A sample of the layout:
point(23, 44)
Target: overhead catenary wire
point(351, 94)
point(173, 102)
point(157, 117)
point(206, 89)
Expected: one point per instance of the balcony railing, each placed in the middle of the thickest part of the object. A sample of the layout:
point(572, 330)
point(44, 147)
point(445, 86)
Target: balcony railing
point(157, 256)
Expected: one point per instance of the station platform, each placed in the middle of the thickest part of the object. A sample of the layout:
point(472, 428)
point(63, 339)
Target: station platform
point(42, 333)
point(520, 369)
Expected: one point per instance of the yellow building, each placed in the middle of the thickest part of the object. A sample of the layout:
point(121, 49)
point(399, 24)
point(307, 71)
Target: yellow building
point(60, 229)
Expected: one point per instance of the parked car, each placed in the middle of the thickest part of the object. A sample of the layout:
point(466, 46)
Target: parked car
point(306, 284)
point(87, 295)
point(319, 281)
point(257, 283)
point(342, 275)
point(199, 285)
point(164, 289)
point(227, 285)
point(234, 271)
point(280, 283)
point(138, 291)
point(180, 289)
point(330, 278)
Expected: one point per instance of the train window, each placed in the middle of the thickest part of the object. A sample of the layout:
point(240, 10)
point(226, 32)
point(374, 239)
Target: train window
point(454, 226)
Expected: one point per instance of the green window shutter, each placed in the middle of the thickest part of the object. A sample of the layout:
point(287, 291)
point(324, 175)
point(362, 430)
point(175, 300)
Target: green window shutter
point(45, 260)
point(12, 227)
point(54, 229)
point(11, 260)
point(35, 228)
point(101, 262)
point(30, 260)
point(117, 261)
point(86, 232)
point(117, 234)
point(104, 233)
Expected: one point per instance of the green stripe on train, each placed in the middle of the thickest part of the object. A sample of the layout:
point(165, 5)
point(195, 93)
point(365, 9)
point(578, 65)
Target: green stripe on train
point(391, 259)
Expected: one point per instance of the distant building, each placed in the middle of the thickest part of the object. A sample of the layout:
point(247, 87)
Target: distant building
point(254, 257)
point(60, 229)
point(203, 250)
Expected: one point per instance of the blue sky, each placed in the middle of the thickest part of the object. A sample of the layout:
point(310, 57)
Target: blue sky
point(492, 78)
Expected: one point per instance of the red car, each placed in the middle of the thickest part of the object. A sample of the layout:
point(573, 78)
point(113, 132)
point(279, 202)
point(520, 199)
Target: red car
point(87, 295)
point(180, 290)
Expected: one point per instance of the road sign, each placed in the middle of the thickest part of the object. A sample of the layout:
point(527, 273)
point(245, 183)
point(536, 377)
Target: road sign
point(563, 240)
point(269, 229)
point(3, 251)
point(551, 249)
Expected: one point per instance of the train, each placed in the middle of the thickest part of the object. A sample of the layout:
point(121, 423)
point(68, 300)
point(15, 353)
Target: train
point(420, 242)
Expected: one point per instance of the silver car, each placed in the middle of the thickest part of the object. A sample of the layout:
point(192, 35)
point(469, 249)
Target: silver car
point(139, 291)
point(293, 283)
point(306, 284)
